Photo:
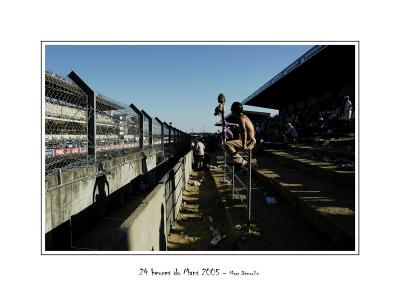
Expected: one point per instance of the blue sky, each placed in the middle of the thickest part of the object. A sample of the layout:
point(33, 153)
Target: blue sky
point(177, 83)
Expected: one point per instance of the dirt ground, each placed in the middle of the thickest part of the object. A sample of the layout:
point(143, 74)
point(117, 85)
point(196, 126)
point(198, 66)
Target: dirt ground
point(202, 217)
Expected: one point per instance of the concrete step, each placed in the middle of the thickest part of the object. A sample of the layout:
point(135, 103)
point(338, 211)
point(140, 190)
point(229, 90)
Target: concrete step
point(325, 152)
point(330, 171)
point(272, 228)
point(333, 140)
point(327, 206)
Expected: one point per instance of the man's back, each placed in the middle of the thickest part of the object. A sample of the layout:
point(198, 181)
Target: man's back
point(292, 131)
point(248, 125)
point(200, 148)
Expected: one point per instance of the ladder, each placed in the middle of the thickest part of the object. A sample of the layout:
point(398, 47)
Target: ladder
point(238, 184)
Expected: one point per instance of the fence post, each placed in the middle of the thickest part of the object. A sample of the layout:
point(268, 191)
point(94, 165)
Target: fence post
point(150, 127)
point(174, 130)
point(91, 113)
point(169, 134)
point(138, 112)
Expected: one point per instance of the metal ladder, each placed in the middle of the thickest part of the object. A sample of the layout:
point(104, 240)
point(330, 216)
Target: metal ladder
point(235, 181)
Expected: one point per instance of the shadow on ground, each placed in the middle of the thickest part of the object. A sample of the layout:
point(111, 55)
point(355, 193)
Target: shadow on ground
point(201, 218)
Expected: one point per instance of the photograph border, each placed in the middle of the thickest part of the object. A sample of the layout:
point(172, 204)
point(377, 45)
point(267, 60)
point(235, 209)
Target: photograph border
point(356, 251)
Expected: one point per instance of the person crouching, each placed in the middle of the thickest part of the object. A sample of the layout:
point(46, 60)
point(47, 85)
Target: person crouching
point(247, 135)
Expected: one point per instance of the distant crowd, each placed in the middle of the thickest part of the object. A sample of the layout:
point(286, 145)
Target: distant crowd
point(331, 121)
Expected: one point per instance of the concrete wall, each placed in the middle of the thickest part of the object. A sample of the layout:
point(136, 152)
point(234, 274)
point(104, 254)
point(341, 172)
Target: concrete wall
point(71, 191)
point(146, 228)
point(180, 186)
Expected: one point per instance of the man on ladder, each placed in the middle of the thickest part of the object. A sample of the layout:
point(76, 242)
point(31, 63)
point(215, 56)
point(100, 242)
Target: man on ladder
point(247, 139)
point(246, 142)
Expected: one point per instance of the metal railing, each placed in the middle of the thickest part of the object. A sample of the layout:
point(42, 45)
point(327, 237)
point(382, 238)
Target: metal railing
point(83, 127)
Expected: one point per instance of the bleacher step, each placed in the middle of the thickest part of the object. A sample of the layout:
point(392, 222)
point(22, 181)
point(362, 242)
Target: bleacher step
point(329, 207)
point(328, 170)
point(325, 152)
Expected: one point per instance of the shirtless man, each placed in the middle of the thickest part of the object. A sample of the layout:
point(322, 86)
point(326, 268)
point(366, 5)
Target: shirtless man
point(247, 135)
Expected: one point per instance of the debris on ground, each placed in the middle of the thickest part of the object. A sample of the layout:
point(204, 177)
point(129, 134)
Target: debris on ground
point(226, 181)
point(194, 183)
point(194, 231)
point(270, 200)
point(347, 167)
point(191, 218)
point(217, 239)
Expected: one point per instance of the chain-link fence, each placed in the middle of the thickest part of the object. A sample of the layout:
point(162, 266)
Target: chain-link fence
point(166, 129)
point(117, 128)
point(173, 131)
point(157, 140)
point(146, 132)
point(66, 111)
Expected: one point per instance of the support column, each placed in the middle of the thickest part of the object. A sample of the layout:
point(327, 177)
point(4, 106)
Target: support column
point(138, 112)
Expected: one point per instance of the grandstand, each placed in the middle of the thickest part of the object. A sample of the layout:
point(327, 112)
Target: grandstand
point(309, 94)
point(316, 172)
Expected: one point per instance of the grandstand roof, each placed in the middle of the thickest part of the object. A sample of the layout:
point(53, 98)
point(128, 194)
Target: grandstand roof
point(323, 67)
point(109, 104)
point(253, 115)
point(65, 90)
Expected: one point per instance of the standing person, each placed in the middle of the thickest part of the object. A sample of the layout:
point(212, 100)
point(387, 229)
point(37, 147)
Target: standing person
point(258, 130)
point(192, 146)
point(247, 135)
point(291, 134)
point(347, 108)
point(199, 152)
